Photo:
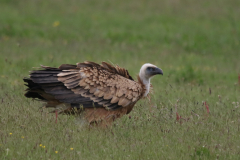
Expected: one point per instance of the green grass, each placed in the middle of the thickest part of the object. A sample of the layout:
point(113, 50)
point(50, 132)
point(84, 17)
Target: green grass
point(196, 43)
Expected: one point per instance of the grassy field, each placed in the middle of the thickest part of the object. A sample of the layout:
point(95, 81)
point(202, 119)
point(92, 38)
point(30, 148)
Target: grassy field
point(196, 43)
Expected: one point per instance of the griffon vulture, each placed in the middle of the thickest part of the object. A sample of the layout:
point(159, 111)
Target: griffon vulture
point(99, 93)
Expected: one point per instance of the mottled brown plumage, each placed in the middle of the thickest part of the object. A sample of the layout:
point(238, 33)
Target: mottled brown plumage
point(101, 93)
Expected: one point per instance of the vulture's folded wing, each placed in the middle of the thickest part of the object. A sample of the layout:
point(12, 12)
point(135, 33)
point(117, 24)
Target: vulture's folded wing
point(88, 84)
point(105, 85)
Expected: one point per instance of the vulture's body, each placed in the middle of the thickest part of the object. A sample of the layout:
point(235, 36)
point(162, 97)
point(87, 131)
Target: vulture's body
point(99, 93)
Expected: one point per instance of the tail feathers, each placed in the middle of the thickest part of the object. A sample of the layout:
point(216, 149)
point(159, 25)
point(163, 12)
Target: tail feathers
point(33, 89)
point(44, 85)
point(30, 84)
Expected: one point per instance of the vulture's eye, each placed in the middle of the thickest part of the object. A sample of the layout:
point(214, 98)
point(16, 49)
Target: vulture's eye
point(151, 69)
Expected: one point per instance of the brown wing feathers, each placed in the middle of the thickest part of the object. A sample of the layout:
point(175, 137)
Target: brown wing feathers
point(108, 83)
point(88, 84)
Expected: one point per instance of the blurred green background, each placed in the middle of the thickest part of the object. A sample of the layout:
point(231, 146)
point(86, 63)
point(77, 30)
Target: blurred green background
point(196, 43)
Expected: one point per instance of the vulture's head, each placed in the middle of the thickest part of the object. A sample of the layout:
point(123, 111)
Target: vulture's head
point(147, 71)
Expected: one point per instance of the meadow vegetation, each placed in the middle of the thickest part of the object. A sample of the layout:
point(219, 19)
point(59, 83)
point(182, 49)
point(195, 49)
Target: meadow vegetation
point(196, 43)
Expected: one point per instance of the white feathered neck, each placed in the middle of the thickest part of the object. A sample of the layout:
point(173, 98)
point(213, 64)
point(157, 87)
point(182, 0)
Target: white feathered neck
point(145, 78)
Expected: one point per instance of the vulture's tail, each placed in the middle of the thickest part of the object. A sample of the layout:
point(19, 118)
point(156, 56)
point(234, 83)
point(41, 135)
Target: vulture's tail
point(40, 79)
point(33, 90)
point(44, 85)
